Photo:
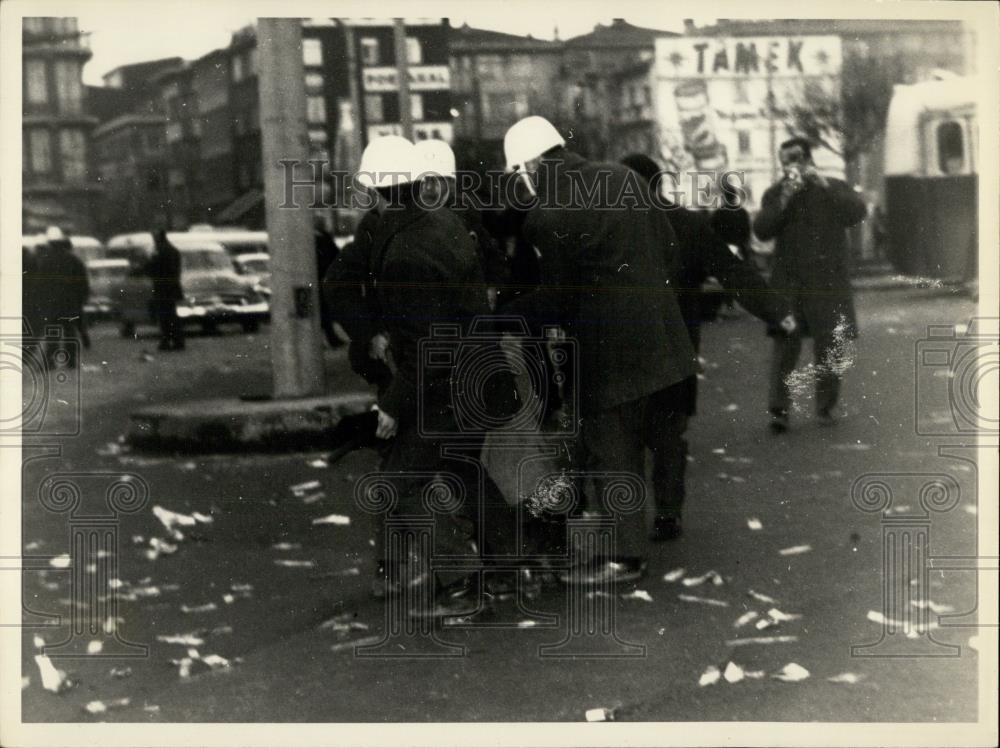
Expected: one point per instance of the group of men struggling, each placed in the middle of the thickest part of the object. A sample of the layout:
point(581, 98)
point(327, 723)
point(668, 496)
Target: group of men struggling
point(621, 281)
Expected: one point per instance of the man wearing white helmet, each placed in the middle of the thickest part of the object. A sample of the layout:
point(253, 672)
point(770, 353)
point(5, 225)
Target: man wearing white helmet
point(605, 282)
point(422, 272)
point(438, 190)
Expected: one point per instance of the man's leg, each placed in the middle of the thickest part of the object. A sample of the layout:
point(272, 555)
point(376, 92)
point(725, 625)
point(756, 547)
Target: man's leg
point(784, 356)
point(829, 365)
point(665, 424)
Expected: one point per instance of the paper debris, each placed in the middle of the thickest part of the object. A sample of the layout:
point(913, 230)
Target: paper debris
point(765, 623)
point(754, 524)
point(34, 545)
point(776, 615)
point(120, 672)
point(228, 598)
point(673, 576)
point(754, 674)
point(851, 678)
point(732, 408)
point(527, 624)
point(218, 630)
point(241, 587)
point(206, 608)
point(343, 622)
point(332, 519)
point(319, 463)
point(152, 708)
point(638, 595)
point(936, 608)
point(95, 647)
point(733, 673)
point(852, 447)
point(744, 619)
point(110, 449)
point(25, 681)
point(53, 679)
point(705, 600)
point(792, 673)
point(286, 546)
point(695, 581)
point(39, 642)
point(294, 563)
point(970, 509)
point(172, 520)
point(719, 451)
point(710, 676)
point(314, 497)
point(356, 643)
point(975, 642)
point(203, 518)
point(216, 662)
point(600, 715)
point(100, 707)
point(301, 488)
point(60, 562)
point(188, 466)
point(763, 598)
point(158, 547)
point(761, 640)
point(795, 550)
point(187, 640)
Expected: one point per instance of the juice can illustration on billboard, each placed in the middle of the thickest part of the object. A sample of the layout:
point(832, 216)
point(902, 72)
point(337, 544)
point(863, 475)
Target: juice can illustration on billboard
point(694, 113)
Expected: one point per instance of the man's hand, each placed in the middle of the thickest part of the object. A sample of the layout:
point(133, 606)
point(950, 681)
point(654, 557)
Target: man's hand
point(811, 174)
point(386, 425)
point(378, 348)
point(789, 325)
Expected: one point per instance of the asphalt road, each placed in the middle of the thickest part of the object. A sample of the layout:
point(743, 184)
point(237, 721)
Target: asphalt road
point(227, 585)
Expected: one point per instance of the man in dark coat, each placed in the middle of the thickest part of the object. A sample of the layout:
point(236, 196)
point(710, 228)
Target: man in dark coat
point(606, 284)
point(695, 254)
point(326, 254)
point(808, 215)
point(164, 268)
point(63, 289)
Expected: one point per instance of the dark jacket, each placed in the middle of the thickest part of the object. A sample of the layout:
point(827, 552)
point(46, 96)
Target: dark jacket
point(605, 281)
point(164, 268)
point(811, 255)
point(424, 272)
point(60, 283)
point(491, 255)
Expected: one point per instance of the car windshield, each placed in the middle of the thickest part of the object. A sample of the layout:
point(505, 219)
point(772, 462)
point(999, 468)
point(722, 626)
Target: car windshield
point(254, 266)
point(195, 260)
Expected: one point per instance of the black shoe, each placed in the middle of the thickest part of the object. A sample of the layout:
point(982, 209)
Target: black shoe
point(779, 421)
point(666, 528)
point(826, 417)
point(607, 572)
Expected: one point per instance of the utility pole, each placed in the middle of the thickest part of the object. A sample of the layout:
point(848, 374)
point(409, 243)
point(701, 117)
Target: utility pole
point(296, 353)
point(402, 73)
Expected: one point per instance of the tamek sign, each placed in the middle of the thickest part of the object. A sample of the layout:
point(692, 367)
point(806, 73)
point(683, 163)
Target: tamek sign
point(762, 56)
point(422, 78)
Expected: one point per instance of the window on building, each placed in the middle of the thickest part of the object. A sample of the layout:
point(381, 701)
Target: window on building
point(743, 141)
point(315, 109)
point(490, 66)
point(314, 82)
point(374, 111)
point(416, 107)
point(238, 72)
point(38, 86)
point(40, 145)
point(317, 136)
point(69, 91)
point(742, 93)
point(312, 52)
point(951, 148)
point(34, 25)
point(369, 51)
point(414, 52)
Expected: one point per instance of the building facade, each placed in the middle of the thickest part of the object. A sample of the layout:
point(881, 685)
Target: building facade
point(56, 176)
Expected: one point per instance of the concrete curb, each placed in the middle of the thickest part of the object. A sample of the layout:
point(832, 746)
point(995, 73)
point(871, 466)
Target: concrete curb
point(243, 426)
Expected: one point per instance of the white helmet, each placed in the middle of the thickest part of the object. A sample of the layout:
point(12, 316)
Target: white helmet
point(54, 234)
point(387, 161)
point(527, 139)
point(435, 157)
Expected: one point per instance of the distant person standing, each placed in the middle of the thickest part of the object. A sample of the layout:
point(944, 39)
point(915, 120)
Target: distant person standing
point(62, 289)
point(164, 268)
point(808, 215)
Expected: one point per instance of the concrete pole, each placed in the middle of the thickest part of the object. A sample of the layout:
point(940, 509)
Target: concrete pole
point(296, 353)
point(402, 72)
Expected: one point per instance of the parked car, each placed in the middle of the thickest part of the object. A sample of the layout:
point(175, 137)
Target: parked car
point(235, 241)
point(213, 293)
point(255, 269)
point(106, 278)
point(87, 248)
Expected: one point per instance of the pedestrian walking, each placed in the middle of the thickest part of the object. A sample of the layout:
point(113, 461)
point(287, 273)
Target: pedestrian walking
point(605, 283)
point(697, 254)
point(62, 290)
point(808, 215)
point(164, 269)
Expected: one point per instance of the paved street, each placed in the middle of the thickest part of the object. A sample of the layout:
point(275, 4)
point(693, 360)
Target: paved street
point(228, 585)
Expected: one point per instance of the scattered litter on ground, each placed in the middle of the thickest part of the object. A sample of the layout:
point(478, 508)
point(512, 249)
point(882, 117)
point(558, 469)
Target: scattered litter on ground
point(762, 597)
point(120, 672)
point(765, 623)
point(159, 547)
point(754, 524)
point(314, 497)
point(744, 619)
point(53, 679)
point(754, 674)
point(795, 550)
point(852, 447)
point(244, 587)
point(100, 707)
point(638, 595)
point(95, 647)
point(286, 546)
point(673, 576)
point(332, 519)
point(25, 681)
point(527, 624)
point(34, 545)
point(138, 540)
point(151, 708)
point(761, 640)
point(732, 408)
point(172, 520)
point(975, 642)
point(792, 673)
point(206, 608)
point(188, 466)
point(710, 676)
point(363, 642)
point(776, 615)
point(60, 562)
point(229, 598)
point(719, 451)
point(39, 642)
point(301, 488)
point(600, 715)
point(936, 608)
point(294, 563)
point(704, 600)
point(912, 631)
point(695, 581)
point(851, 678)
point(110, 449)
point(733, 673)
point(970, 509)
point(319, 463)
point(216, 662)
point(186, 640)
point(219, 630)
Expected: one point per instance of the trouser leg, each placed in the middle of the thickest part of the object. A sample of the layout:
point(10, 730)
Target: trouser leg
point(829, 364)
point(784, 356)
point(665, 425)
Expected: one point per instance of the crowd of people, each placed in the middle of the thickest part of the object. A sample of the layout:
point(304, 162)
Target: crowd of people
point(620, 283)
